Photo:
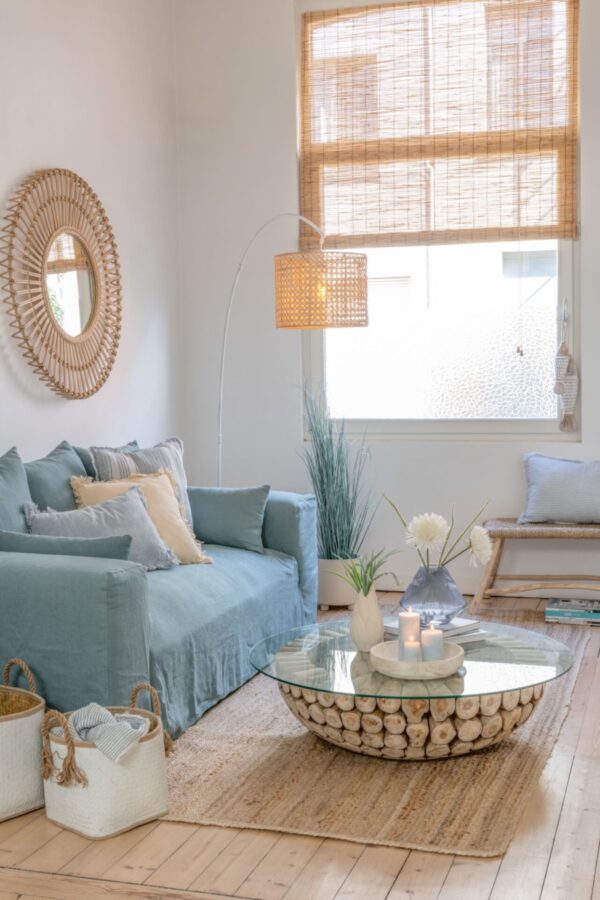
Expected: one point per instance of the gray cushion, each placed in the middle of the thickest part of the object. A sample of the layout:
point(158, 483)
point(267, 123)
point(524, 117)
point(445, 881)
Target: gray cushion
point(117, 547)
point(561, 490)
point(14, 491)
point(110, 464)
point(125, 514)
point(230, 516)
point(86, 457)
point(49, 477)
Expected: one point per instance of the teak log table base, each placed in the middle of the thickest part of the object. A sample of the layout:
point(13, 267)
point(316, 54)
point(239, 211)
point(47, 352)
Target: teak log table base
point(412, 728)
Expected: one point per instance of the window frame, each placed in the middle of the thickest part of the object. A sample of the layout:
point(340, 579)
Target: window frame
point(313, 365)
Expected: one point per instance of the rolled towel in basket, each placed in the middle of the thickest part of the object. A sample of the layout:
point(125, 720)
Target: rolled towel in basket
point(113, 735)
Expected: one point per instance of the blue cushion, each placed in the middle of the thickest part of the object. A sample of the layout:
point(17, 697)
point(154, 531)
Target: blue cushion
point(125, 514)
point(561, 490)
point(232, 517)
point(86, 457)
point(14, 492)
point(49, 478)
point(116, 547)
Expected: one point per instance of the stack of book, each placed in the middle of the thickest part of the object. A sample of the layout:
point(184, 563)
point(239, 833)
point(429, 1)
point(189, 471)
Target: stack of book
point(573, 612)
point(459, 631)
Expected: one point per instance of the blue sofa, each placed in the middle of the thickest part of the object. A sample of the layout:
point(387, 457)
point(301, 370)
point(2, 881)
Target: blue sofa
point(91, 628)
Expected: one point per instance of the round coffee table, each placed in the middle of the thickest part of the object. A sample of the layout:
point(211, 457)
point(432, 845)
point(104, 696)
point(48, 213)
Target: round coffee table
point(333, 690)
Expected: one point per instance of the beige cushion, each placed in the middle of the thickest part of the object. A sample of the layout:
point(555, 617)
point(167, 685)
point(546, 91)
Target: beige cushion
point(163, 508)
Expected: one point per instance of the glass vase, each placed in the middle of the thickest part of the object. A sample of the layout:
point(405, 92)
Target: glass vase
point(434, 594)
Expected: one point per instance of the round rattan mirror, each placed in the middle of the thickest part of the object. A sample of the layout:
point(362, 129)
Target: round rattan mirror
point(60, 268)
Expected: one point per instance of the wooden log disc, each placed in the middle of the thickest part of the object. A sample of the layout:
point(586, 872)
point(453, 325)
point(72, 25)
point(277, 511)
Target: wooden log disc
point(372, 722)
point(318, 729)
point(468, 730)
point(538, 690)
point(296, 692)
point(526, 695)
point(284, 687)
point(413, 752)
point(398, 741)
point(442, 708)
point(460, 748)
point(371, 751)
point(302, 709)
point(467, 707)
point(334, 734)
point(372, 740)
point(394, 722)
point(351, 720)
point(344, 701)
point(414, 710)
point(510, 718)
point(388, 705)
point(491, 725)
point(392, 753)
point(482, 742)
point(510, 699)
point(436, 751)
point(525, 713)
point(351, 737)
point(325, 699)
point(441, 732)
point(417, 734)
point(333, 718)
point(309, 696)
point(365, 704)
point(316, 713)
point(490, 704)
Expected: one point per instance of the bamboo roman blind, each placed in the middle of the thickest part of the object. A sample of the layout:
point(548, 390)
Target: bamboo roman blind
point(440, 121)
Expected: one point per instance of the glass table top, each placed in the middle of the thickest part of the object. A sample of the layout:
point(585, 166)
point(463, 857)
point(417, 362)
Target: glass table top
point(323, 658)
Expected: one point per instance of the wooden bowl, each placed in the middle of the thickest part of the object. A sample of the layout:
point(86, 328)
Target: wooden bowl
point(384, 658)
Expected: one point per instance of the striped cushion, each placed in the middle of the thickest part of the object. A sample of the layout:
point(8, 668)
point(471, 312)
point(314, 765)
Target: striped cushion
point(112, 464)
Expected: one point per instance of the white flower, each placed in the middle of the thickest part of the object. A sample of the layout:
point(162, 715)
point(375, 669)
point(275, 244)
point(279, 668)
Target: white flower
point(481, 546)
point(427, 533)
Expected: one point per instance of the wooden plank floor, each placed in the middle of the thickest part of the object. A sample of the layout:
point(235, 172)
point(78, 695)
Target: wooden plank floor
point(553, 856)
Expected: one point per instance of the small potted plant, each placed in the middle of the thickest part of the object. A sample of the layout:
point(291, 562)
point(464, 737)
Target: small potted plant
point(343, 506)
point(433, 593)
point(366, 626)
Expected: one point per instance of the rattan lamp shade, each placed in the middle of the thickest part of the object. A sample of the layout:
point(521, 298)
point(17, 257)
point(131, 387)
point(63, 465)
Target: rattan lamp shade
point(321, 290)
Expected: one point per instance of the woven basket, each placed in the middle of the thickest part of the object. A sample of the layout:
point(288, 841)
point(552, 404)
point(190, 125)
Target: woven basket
point(95, 797)
point(21, 715)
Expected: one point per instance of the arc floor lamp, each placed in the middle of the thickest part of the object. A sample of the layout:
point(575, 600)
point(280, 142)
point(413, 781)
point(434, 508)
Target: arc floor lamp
point(313, 289)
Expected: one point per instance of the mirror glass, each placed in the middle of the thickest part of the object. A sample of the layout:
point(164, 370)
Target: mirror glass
point(70, 283)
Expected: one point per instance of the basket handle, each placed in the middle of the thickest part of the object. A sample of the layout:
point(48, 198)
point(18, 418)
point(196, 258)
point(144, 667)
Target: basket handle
point(15, 661)
point(69, 773)
point(156, 709)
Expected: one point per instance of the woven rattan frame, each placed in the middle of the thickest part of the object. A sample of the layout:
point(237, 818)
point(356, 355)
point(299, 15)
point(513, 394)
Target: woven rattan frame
point(49, 202)
point(321, 290)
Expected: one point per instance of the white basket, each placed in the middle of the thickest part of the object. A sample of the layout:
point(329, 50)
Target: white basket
point(21, 715)
point(93, 796)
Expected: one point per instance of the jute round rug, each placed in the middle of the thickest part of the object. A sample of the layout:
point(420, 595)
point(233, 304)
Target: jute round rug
point(249, 764)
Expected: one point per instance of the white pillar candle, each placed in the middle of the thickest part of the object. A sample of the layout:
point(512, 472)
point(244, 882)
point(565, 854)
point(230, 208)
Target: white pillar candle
point(409, 626)
point(432, 643)
point(411, 651)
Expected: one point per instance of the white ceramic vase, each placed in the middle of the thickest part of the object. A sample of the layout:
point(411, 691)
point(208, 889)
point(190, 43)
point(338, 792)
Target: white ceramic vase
point(366, 626)
point(333, 590)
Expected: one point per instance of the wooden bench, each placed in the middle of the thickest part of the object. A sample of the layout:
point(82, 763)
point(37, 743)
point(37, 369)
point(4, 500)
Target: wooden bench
point(501, 530)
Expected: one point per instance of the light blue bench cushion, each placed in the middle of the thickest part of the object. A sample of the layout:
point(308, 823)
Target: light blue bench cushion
point(204, 620)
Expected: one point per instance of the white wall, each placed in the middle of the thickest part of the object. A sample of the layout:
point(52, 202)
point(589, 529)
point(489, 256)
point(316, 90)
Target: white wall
point(236, 77)
point(88, 85)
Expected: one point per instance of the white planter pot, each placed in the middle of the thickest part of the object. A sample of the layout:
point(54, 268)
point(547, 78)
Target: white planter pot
point(366, 627)
point(333, 590)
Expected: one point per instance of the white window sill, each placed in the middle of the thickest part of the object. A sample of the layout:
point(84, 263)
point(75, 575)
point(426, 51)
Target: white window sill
point(540, 430)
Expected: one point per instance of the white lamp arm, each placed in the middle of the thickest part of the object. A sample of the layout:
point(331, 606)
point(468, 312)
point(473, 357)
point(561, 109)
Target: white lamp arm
point(228, 317)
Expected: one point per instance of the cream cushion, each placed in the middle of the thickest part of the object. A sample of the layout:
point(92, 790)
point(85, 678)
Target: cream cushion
point(163, 508)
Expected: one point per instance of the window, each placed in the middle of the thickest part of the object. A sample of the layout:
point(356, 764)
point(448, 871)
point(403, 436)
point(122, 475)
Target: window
point(440, 136)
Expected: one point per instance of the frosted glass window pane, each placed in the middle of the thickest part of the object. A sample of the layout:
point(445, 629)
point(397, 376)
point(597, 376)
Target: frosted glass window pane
point(454, 333)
